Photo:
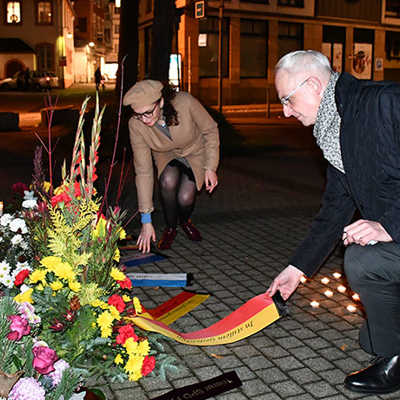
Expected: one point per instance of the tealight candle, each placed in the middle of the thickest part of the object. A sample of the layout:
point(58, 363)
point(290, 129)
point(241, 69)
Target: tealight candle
point(351, 308)
point(341, 289)
point(356, 297)
point(303, 279)
point(314, 304)
point(325, 281)
point(337, 275)
point(328, 293)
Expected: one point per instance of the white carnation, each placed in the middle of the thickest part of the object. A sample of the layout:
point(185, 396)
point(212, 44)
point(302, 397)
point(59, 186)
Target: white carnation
point(5, 219)
point(17, 239)
point(18, 224)
point(30, 203)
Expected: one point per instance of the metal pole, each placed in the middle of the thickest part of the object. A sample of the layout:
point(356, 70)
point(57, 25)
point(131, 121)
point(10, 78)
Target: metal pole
point(220, 42)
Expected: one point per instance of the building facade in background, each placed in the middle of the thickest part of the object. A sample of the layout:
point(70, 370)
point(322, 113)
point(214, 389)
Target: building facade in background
point(37, 34)
point(361, 37)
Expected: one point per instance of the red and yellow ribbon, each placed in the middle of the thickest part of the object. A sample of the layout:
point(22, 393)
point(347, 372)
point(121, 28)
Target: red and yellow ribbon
point(248, 319)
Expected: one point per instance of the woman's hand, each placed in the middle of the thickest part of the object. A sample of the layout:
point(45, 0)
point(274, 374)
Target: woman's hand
point(147, 233)
point(211, 180)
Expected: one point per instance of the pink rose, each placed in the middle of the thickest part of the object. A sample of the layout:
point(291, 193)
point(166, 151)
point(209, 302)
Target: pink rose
point(19, 327)
point(44, 359)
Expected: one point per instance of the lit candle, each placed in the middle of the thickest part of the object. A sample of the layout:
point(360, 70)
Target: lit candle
point(337, 275)
point(328, 293)
point(356, 297)
point(303, 279)
point(341, 289)
point(1, 208)
point(351, 308)
point(314, 304)
point(325, 281)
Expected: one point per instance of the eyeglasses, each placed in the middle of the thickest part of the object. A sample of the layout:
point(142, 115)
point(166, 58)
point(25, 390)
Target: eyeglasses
point(146, 114)
point(286, 100)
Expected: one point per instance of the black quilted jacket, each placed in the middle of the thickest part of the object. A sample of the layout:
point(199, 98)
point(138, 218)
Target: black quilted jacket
point(370, 146)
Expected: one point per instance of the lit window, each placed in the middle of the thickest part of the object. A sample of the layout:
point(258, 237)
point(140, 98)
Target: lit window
point(44, 12)
point(13, 12)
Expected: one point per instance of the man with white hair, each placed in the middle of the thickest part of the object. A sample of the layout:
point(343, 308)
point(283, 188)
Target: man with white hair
point(357, 126)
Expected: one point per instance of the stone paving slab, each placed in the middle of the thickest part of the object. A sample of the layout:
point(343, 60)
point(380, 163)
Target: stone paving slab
point(250, 230)
point(303, 356)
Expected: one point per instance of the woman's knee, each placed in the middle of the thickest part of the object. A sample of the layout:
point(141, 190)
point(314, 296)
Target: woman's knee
point(186, 199)
point(168, 182)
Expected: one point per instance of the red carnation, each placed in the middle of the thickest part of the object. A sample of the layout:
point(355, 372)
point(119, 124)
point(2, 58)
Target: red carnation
point(148, 365)
point(21, 276)
point(125, 332)
point(116, 301)
point(125, 284)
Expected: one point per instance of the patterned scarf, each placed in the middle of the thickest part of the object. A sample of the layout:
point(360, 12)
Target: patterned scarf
point(327, 125)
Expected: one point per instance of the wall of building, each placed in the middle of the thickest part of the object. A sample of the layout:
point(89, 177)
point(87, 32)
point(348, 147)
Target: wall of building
point(350, 18)
point(27, 60)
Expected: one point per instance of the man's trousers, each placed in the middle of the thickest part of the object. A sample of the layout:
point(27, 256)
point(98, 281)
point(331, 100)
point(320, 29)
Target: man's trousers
point(374, 273)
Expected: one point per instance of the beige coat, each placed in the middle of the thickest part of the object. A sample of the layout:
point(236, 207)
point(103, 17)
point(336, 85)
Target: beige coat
point(195, 138)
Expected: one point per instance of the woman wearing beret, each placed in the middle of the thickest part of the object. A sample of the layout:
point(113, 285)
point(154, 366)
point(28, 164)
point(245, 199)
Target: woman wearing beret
point(175, 130)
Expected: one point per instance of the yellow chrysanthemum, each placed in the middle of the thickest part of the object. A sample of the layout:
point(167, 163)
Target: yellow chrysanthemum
point(106, 332)
point(118, 359)
point(134, 364)
point(137, 305)
point(25, 297)
point(117, 275)
point(126, 298)
point(75, 286)
point(38, 275)
point(143, 348)
point(117, 255)
point(122, 234)
point(50, 262)
point(131, 347)
point(99, 303)
point(114, 312)
point(64, 271)
point(56, 285)
point(135, 375)
point(104, 321)
point(46, 186)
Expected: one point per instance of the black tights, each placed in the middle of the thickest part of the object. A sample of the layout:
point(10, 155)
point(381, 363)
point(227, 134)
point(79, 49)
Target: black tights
point(178, 193)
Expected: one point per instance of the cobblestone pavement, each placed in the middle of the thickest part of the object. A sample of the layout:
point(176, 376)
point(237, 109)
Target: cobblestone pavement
point(250, 226)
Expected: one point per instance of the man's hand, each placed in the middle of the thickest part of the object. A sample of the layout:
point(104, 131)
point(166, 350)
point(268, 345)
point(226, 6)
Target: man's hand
point(286, 282)
point(363, 232)
point(147, 233)
point(211, 180)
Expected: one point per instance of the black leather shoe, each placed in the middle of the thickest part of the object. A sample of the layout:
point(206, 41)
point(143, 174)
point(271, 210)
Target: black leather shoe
point(381, 377)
